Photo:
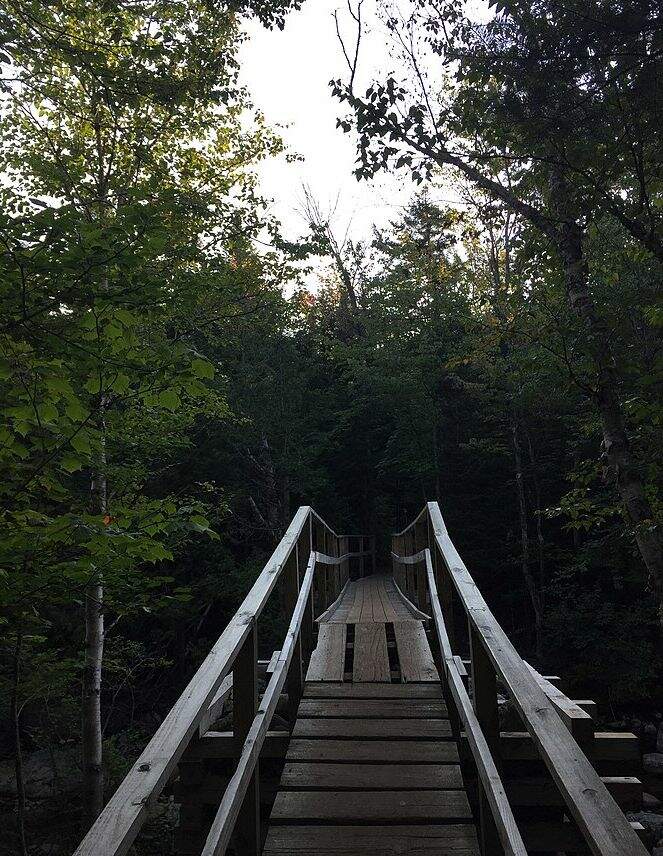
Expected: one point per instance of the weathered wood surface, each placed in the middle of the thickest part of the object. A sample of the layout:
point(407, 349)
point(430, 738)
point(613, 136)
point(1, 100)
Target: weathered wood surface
point(578, 721)
point(499, 832)
point(414, 729)
point(374, 707)
point(604, 827)
point(328, 658)
point(365, 751)
point(370, 806)
point(367, 691)
point(234, 804)
point(456, 839)
point(126, 811)
point(415, 659)
point(371, 659)
point(371, 599)
point(370, 777)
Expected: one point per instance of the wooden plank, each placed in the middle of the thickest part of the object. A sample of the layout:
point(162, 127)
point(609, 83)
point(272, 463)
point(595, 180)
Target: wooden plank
point(577, 720)
point(451, 839)
point(340, 691)
point(354, 615)
point(367, 601)
point(414, 654)
point(417, 729)
point(246, 805)
point(605, 828)
point(238, 804)
point(224, 744)
point(373, 708)
point(328, 658)
point(117, 826)
point(373, 777)
point(625, 790)
point(606, 746)
point(390, 612)
point(370, 806)
point(367, 751)
point(371, 660)
point(215, 710)
point(492, 793)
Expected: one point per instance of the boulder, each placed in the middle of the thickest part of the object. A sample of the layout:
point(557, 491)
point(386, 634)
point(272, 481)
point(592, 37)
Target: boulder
point(653, 762)
point(44, 773)
point(650, 802)
point(652, 822)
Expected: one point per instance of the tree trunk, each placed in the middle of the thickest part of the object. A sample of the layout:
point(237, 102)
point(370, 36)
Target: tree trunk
point(539, 511)
point(530, 582)
point(615, 439)
point(91, 728)
point(18, 751)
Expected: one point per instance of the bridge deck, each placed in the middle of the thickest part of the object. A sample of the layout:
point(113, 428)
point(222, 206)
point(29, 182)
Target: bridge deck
point(372, 766)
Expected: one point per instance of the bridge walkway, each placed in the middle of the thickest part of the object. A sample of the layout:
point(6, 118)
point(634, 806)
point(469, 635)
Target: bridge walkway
point(372, 766)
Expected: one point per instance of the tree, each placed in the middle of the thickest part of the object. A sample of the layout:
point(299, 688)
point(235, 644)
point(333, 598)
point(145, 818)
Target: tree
point(128, 197)
point(465, 120)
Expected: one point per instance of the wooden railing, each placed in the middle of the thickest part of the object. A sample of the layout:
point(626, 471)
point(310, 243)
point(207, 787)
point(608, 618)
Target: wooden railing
point(311, 565)
point(429, 570)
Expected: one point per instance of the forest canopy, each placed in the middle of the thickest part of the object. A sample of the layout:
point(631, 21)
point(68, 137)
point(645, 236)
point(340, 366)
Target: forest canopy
point(173, 388)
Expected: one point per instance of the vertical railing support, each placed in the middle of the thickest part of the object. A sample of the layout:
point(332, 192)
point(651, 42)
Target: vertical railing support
point(484, 692)
point(245, 705)
point(294, 681)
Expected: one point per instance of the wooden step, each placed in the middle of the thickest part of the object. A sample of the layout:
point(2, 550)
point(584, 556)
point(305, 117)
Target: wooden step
point(373, 777)
point(371, 806)
point(373, 708)
point(416, 729)
point(367, 691)
point(366, 751)
point(397, 840)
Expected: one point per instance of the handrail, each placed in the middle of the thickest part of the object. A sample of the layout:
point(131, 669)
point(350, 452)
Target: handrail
point(224, 821)
point(119, 823)
point(505, 822)
point(604, 827)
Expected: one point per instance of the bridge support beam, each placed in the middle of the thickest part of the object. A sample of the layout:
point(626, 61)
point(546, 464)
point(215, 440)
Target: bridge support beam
point(245, 704)
point(484, 692)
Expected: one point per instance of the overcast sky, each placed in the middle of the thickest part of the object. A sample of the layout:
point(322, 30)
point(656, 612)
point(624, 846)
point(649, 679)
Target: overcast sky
point(287, 73)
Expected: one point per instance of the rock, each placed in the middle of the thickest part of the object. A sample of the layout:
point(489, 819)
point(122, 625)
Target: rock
point(653, 762)
point(650, 802)
point(44, 772)
point(659, 738)
point(650, 730)
point(653, 823)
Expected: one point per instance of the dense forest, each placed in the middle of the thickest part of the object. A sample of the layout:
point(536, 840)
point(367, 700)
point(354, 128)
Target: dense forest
point(173, 388)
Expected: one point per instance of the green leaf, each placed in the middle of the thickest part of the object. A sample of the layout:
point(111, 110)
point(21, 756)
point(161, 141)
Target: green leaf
point(71, 463)
point(81, 442)
point(202, 368)
point(75, 410)
point(93, 385)
point(169, 399)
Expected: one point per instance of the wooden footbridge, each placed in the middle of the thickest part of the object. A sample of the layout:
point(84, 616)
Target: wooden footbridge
point(364, 734)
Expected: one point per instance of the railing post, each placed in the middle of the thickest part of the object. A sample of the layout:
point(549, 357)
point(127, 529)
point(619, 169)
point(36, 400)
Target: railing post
point(420, 539)
point(245, 705)
point(303, 555)
point(484, 693)
point(294, 681)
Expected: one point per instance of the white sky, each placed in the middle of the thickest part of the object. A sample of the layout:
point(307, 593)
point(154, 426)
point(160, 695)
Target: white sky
point(287, 74)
